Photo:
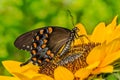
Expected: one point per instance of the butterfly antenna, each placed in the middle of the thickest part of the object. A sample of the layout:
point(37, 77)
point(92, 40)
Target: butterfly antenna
point(72, 19)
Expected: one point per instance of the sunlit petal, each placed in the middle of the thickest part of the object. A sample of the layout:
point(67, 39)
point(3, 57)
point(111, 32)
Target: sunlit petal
point(106, 69)
point(62, 73)
point(115, 34)
point(8, 78)
point(14, 66)
point(110, 58)
point(42, 77)
point(98, 34)
point(21, 76)
point(97, 54)
point(94, 65)
point(113, 46)
point(83, 73)
point(110, 28)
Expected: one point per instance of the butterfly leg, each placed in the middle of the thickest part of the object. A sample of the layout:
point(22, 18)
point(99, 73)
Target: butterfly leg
point(71, 39)
point(79, 36)
point(25, 63)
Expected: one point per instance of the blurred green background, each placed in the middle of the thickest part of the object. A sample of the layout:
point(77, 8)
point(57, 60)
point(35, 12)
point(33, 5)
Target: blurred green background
point(19, 16)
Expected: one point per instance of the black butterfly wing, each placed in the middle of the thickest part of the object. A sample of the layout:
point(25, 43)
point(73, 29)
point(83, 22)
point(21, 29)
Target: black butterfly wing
point(58, 38)
point(24, 41)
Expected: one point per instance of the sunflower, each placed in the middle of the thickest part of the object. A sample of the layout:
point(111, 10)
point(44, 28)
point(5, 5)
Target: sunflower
point(27, 72)
point(98, 55)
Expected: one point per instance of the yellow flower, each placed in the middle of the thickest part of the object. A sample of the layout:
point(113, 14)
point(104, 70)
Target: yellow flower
point(106, 33)
point(30, 72)
point(101, 32)
point(27, 72)
point(99, 59)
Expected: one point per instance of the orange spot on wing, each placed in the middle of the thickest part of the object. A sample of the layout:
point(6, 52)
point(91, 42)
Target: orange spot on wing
point(37, 38)
point(46, 35)
point(41, 31)
point(43, 46)
point(48, 52)
point(34, 52)
point(34, 45)
point(50, 29)
point(34, 59)
point(45, 40)
point(39, 61)
point(51, 55)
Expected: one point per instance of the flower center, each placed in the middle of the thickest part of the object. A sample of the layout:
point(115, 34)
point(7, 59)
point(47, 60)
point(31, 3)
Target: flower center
point(74, 65)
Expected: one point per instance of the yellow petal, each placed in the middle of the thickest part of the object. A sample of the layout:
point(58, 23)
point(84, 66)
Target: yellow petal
point(81, 29)
point(97, 54)
point(113, 46)
point(115, 34)
point(94, 65)
point(82, 73)
point(8, 78)
point(111, 26)
point(35, 77)
point(98, 34)
point(14, 66)
point(21, 76)
point(42, 77)
point(106, 69)
point(62, 73)
point(110, 58)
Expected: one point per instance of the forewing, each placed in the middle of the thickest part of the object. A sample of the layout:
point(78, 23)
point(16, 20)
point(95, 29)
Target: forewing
point(24, 41)
point(58, 38)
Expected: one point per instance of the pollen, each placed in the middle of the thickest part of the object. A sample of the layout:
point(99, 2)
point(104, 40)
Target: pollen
point(48, 60)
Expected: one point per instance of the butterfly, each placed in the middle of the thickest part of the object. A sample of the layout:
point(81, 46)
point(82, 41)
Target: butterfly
point(45, 43)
